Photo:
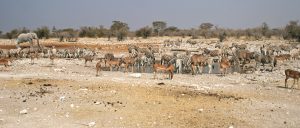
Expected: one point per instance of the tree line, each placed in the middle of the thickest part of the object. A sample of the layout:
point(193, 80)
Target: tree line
point(121, 31)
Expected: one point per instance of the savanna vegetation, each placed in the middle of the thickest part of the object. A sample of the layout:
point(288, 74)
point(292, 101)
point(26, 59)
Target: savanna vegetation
point(121, 31)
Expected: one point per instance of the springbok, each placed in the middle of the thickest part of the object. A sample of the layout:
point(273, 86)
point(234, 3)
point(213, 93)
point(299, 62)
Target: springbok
point(98, 68)
point(170, 69)
point(224, 65)
point(4, 62)
point(52, 57)
point(32, 56)
point(113, 63)
point(128, 61)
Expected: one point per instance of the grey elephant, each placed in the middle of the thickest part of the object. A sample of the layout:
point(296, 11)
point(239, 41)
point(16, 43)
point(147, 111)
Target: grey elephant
point(27, 37)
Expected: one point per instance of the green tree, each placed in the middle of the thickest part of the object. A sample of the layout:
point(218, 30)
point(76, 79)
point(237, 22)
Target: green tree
point(119, 29)
point(171, 31)
point(293, 30)
point(265, 29)
point(24, 30)
point(144, 32)
point(88, 32)
point(12, 34)
point(68, 34)
point(43, 32)
point(206, 26)
point(205, 29)
point(222, 36)
point(53, 29)
point(102, 32)
point(159, 26)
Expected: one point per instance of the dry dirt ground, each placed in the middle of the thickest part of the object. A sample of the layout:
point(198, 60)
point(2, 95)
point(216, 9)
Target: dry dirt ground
point(68, 94)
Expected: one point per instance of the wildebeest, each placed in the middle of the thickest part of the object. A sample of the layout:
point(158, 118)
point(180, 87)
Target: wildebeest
point(88, 58)
point(108, 57)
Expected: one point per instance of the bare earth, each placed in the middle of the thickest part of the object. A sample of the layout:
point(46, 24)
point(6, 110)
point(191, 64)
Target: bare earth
point(68, 94)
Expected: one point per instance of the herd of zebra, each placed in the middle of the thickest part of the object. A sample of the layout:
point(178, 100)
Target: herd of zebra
point(237, 58)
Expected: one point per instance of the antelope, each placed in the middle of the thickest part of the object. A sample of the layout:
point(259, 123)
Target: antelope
point(52, 57)
point(4, 62)
point(224, 65)
point(128, 61)
point(32, 56)
point(170, 69)
point(291, 74)
point(88, 58)
point(98, 68)
point(113, 63)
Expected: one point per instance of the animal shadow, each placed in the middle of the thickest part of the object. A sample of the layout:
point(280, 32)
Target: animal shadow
point(287, 87)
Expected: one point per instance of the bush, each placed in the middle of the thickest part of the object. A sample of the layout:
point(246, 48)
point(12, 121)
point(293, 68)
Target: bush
point(15, 32)
point(43, 32)
point(222, 36)
point(69, 34)
point(119, 30)
point(159, 26)
point(293, 31)
point(12, 34)
point(144, 32)
point(171, 31)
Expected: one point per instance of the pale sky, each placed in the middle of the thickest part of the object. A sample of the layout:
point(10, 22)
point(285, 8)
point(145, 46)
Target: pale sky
point(140, 13)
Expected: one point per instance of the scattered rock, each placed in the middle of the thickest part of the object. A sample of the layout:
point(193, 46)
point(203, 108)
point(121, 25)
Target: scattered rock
point(91, 124)
point(268, 88)
point(59, 70)
point(235, 73)
point(83, 89)
point(47, 84)
point(200, 110)
point(161, 83)
point(136, 75)
point(113, 91)
point(67, 115)
point(24, 111)
point(62, 98)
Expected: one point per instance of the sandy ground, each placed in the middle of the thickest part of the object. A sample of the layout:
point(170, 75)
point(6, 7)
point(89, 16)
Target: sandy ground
point(68, 94)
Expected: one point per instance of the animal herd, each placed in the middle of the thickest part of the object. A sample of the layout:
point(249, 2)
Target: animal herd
point(223, 58)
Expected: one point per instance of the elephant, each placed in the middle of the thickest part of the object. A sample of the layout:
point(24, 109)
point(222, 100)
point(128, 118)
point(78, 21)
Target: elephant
point(27, 37)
